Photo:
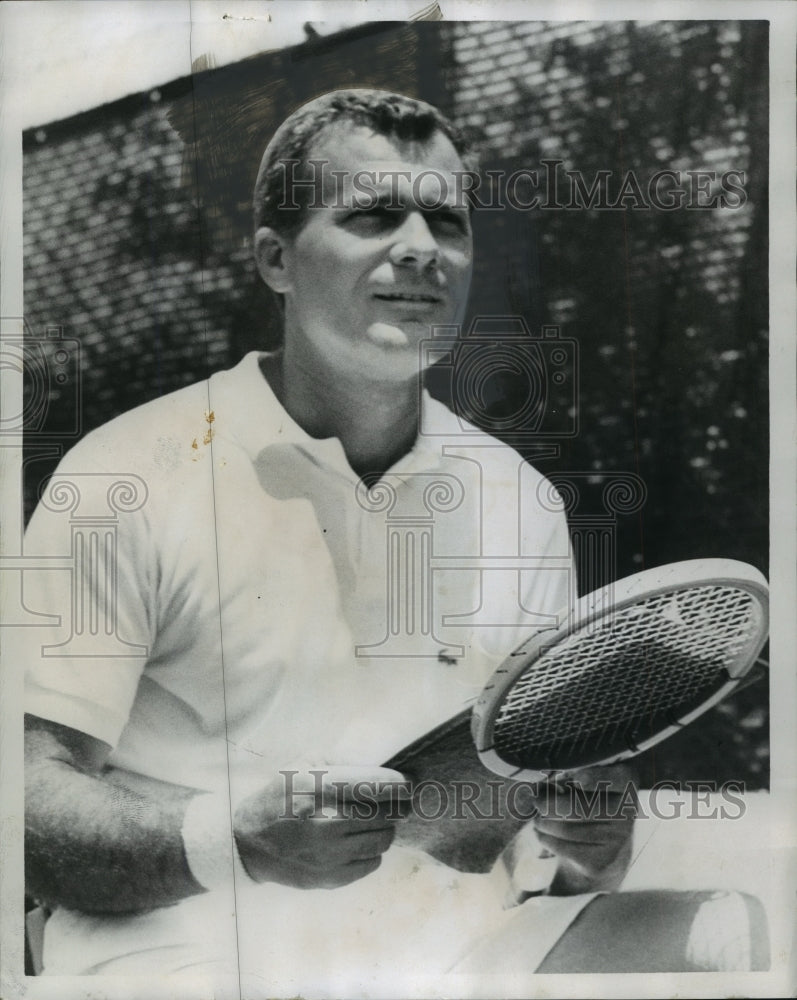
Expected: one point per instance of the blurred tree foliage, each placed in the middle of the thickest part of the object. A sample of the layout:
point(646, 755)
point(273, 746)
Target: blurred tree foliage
point(669, 309)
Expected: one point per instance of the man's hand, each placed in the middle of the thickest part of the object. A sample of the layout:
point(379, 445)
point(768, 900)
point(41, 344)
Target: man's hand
point(588, 822)
point(321, 827)
point(103, 840)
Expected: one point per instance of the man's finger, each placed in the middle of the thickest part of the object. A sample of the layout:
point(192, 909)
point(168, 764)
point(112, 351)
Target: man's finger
point(343, 874)
point(350, 783)
point(359, 869)
point(583, 831)
point(361, 846)
point(322, 844)
point(614, 777)
point(336, 782)
point(339, 791)
point(600, 802)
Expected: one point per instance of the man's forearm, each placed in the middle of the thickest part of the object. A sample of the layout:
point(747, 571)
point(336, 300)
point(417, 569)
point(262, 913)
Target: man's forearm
point(93, 845)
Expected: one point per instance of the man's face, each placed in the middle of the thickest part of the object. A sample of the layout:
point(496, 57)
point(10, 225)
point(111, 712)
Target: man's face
point(386, 257)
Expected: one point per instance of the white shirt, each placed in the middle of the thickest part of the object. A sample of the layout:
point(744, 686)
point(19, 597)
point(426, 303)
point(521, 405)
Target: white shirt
point(254, 576)
point(260, 586)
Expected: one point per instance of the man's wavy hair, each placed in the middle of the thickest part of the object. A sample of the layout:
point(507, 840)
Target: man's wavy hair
point(391, 115)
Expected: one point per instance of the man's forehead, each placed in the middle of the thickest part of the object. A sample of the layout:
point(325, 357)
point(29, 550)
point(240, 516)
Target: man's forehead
point(350, 147)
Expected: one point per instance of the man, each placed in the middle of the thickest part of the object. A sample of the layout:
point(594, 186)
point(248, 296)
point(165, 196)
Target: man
point(192, 799)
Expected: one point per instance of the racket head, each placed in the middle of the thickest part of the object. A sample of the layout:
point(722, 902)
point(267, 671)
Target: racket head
point(630, 665)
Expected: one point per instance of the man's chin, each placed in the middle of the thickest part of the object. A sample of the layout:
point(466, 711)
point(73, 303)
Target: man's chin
point(391, 335)
point(394, 351)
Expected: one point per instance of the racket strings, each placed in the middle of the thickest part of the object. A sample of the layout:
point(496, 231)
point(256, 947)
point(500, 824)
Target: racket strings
point(631, 671)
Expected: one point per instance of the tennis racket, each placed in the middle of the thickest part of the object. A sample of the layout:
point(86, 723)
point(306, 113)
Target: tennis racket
point(630, 665)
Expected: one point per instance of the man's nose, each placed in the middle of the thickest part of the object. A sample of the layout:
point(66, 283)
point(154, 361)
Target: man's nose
point(415, 245)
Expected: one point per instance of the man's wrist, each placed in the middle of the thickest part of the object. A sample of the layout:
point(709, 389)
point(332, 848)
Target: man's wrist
point(209, 846)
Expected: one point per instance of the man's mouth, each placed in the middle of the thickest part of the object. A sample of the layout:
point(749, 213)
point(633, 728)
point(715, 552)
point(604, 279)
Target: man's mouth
point(402, 297)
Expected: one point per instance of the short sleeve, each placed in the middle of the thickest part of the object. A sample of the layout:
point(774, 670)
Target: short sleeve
point(89, 552)
point(550, 589)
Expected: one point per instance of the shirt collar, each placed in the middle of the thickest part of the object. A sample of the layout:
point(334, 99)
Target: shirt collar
point(245, 403)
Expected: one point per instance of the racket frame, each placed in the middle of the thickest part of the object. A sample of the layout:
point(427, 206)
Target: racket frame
point(593, 608)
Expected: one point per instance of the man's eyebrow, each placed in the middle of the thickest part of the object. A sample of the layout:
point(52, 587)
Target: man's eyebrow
point(381, 195)
point(452, 204)
point(370, 199)
point(386, 196)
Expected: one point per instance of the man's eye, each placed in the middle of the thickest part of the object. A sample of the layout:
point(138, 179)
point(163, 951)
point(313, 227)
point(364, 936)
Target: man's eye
point(448, 224)
point(449, 219)
point(375, 212)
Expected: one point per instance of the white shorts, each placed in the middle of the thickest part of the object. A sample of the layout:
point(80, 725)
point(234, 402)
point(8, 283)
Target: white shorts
point(409, 926)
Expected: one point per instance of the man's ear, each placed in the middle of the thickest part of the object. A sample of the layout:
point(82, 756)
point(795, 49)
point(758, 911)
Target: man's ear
point(270, 257)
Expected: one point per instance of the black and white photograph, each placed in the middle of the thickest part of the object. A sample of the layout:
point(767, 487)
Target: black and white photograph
point(399, 500)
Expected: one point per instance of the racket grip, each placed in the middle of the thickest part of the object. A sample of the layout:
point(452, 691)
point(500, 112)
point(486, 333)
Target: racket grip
point(529, 867)
point(535, 872)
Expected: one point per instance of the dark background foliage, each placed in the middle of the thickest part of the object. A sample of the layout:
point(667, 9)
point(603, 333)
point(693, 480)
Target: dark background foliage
point(137, 255)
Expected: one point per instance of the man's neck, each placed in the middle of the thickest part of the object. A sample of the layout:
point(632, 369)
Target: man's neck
point(376, 422)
